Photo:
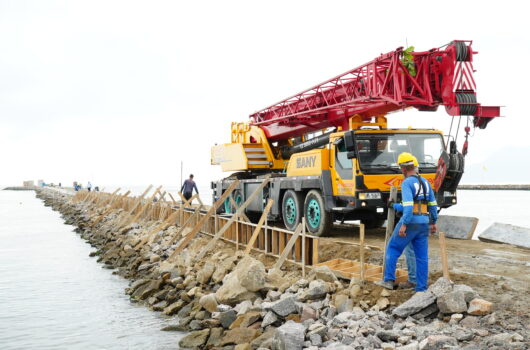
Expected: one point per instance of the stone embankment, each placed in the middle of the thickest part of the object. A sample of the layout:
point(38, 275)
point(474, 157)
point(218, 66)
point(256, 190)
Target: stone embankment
point(229, 300)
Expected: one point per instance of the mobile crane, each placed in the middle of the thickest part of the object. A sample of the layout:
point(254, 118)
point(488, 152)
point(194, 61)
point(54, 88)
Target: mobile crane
point(329, 152)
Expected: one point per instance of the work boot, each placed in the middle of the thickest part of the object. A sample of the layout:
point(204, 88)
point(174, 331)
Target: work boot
point(386, 284)
point(406, 285)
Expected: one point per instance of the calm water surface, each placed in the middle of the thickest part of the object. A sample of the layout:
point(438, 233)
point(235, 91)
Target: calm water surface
point(53, 296)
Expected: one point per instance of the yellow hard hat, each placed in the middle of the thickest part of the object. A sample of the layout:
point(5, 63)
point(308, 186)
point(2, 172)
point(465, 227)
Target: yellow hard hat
point(406, 158)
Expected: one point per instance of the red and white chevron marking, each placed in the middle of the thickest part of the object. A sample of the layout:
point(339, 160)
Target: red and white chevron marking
point(463, 78)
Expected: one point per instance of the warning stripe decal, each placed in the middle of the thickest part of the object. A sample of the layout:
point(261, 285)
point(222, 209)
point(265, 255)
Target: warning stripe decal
point(463, 77)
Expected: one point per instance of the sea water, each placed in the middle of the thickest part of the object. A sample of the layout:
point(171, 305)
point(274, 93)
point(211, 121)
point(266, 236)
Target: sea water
point(54, 296)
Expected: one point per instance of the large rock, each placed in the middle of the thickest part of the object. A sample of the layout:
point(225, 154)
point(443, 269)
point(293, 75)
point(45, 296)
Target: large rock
point(440, 287)
point(227, 318)
point(222, 269)
point(208, 302)
point(246, 320)
point(232, 292)
point(269, 318)
point(325, 274)
point(215, 337)
point(174, 307)
point(505, 233)
point(479, 307)
point(275, 280)
point(195, 339)
point(289, 336)
point(284, 307)
point(317, 289)
point(343, 303)
point(240, 336)
point(469, 293)
point(251, 274)
point(458, 227)
point(437, 342)
point(204, 275)
point(415, 304)
point(452, 303)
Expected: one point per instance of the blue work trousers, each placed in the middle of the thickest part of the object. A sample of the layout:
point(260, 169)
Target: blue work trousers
point(410, 257)
point(418, 236)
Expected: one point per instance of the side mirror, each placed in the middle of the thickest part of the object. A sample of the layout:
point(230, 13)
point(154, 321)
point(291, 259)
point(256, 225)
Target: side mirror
point(351, 155)
point(348, 141)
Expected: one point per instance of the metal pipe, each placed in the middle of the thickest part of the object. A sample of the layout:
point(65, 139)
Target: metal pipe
point(315, 142)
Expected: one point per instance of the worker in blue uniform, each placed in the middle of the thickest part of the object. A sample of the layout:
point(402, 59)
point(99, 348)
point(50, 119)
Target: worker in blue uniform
point(420, 213)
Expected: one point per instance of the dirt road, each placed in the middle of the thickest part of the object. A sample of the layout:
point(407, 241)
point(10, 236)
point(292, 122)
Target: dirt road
point(499, 272)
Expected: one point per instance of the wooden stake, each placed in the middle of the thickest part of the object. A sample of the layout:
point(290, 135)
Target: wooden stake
point(257, 230)
point(389, 223)
point(288, 247)
point(443, 256)
point(241, 209)
point(361, 250)
point(303, 246)
point(186, 240)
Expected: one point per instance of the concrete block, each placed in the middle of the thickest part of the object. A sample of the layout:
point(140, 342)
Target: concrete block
point(505, 233)
point(457, 227)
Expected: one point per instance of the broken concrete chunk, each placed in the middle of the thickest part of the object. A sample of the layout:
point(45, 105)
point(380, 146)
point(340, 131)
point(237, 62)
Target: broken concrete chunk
point(453, 302)
point(479, 307)
point(284, 307)
point(415, 304)
point(508, 234)
point(289, 336)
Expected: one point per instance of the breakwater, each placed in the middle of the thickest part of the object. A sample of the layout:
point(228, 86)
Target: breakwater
point(230, 299)
point(495, 187)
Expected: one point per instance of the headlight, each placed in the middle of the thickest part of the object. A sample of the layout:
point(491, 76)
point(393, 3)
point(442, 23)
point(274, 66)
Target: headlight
point(369, 195)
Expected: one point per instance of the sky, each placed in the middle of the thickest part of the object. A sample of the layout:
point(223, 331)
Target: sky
point(122, 92)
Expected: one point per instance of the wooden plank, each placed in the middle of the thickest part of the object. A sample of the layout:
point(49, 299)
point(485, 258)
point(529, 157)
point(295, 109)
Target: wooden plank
point(234, 204)
point(274, 248)
point(288, 247)
point(298, 250)
point(443, 256)
point(172, 199)
point(242, 208)
point(361, 250)
point(314, 260)
point(145, 206)
point(186, 240)
point(390, 221)
point(257, 229)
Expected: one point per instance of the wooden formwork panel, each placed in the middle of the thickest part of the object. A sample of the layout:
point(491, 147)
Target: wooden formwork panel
point(349, 269)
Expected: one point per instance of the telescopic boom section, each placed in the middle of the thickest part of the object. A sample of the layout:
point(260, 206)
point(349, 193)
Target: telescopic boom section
point(442, 76)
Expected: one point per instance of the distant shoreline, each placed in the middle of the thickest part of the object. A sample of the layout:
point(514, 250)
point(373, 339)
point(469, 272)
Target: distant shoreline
point(495, 187)
point(460, 187)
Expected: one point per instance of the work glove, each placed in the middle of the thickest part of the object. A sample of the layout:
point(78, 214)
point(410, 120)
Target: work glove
point(391, 204)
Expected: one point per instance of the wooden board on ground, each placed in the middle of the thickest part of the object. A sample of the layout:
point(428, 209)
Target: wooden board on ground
point(349, 269)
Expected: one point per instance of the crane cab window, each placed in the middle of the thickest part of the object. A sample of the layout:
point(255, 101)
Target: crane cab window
point(378, 153)
point(343, 165)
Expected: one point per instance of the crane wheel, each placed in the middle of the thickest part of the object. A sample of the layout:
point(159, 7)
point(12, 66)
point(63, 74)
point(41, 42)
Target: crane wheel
point(238, 199)
point(318, 220)
point(292, 206)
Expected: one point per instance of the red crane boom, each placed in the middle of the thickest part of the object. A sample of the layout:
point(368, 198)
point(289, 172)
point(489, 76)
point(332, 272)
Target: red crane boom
point(440, 76)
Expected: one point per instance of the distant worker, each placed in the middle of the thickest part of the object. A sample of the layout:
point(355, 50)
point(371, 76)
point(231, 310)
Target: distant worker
point(420, 213)
point(89, 186)
point(188, 186)
point(96, 189)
